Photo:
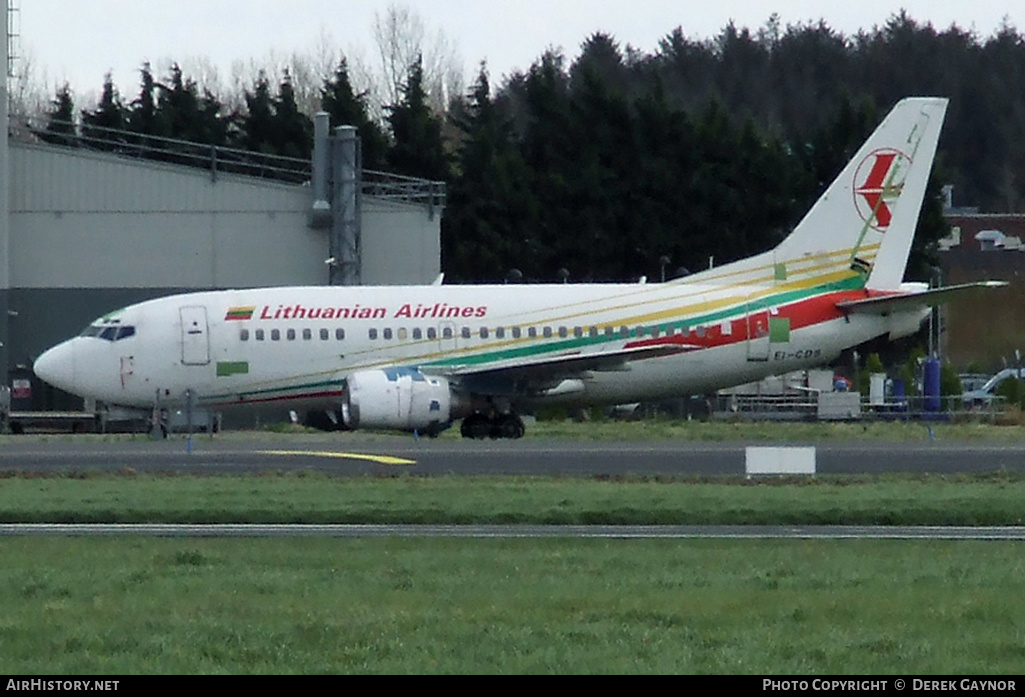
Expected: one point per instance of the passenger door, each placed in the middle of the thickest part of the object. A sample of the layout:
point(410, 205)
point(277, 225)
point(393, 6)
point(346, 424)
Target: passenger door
point(195, 335)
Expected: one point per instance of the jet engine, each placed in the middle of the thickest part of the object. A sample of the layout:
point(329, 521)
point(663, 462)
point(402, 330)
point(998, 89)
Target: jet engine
point(402, 399)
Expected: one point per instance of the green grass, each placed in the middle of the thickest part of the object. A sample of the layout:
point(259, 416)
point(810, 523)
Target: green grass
point(1007, 427)
point(985, 499)
point(725, 431)
point(141, 605)
point(81, 606)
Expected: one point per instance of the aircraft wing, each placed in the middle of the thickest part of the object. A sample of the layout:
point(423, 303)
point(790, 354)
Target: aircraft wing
point(901, 302)
point(535, 374)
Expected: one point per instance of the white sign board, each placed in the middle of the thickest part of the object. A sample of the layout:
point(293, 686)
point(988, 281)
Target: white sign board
point(780, 460)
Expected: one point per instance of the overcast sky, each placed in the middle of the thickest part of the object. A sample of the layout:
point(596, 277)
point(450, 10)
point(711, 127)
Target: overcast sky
point(78, 42)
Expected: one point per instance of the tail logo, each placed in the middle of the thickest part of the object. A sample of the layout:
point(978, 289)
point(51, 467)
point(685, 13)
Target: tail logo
point(882, 176)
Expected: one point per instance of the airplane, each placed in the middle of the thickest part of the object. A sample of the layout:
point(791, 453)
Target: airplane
point(417, 358)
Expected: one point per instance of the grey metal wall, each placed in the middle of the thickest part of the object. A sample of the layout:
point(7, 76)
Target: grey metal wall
point(399, 241)
point(80, 219)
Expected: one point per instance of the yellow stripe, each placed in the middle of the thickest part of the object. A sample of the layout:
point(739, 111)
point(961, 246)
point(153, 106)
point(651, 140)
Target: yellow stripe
point(379, 459)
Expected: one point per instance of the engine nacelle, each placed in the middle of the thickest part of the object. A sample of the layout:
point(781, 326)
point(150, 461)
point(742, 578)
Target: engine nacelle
point(400, 399)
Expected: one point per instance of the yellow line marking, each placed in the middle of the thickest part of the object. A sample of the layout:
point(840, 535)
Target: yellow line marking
point(379, 459)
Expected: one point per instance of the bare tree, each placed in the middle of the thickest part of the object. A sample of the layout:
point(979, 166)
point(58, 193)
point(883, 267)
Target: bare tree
point(28, 97)
point(402, 39)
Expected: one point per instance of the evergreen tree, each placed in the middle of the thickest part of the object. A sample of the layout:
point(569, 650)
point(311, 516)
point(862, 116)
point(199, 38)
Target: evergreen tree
point(182, 114)
point(142, 116)
point(102, 127)
point(418, 150)
point(491, 208)
point(349, 109)
point(292, 131)
point(60, 119)
point(257, 125)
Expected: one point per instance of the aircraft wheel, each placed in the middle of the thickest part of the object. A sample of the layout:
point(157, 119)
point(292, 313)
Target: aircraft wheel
point(476, 426)
point(510, 426)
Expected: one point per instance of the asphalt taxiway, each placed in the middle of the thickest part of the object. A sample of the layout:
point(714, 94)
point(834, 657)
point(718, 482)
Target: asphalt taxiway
point(359, 454)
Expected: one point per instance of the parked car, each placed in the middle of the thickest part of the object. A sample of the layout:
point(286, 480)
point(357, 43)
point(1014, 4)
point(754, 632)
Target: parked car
point(985, 395)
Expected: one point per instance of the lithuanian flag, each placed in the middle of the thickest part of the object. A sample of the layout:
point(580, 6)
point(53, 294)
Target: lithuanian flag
point(239, 313)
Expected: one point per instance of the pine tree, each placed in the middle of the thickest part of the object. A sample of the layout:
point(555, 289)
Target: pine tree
point(102, 128)
point(418, 150)
point(346, 108)
point(142, 116)
point(258, 122)
point(292, 131)
point(60, 119)
point(491, 208)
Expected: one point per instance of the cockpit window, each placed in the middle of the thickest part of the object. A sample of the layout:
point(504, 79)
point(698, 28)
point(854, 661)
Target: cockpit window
point(108, 332)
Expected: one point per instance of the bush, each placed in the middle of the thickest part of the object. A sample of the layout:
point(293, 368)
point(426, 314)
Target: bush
point(950, 381)
point(1013, 392)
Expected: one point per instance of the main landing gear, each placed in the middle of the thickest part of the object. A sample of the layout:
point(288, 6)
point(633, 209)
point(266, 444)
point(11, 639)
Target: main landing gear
point(481, 426)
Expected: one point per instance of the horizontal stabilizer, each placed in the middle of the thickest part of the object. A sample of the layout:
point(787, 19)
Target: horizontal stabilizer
point(904, 302)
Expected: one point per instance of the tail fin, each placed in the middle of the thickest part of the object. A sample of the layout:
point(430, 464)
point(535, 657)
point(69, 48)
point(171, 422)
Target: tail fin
point(866, 218)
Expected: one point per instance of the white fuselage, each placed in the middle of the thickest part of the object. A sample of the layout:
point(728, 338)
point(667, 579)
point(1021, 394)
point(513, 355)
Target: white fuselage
point(298, 345)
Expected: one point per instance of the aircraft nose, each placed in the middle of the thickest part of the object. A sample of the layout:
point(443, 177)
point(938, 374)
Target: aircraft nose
point(57, 366)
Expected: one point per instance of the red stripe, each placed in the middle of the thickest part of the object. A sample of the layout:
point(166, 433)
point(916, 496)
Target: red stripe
point(803, 313)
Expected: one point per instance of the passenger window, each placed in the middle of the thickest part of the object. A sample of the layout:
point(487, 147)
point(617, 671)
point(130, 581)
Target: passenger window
point(290, 335)
point(466, 332)
point(499, 332)
point(372, 334)
point(387, 333)
point(275, 335)
point(418, 334)
point(563, 332)
point(610, 332)
point(307, 334)
point(516, 332)
point(532, 332)
point(243, 335)
point(339, 334)
point(259, 335)
point(447, 332)
point(432, 333)
point(484, 332)
point(547, 331)
point(624, 332)
point(402, 334)
point(593, 332)
point(324, 335)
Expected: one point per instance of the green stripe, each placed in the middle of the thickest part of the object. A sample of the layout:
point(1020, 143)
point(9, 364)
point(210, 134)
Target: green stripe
point(853, 282)
point(741, 306)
